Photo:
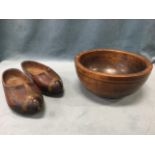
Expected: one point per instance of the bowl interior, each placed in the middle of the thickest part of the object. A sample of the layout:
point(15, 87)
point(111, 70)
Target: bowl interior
point(112, 62)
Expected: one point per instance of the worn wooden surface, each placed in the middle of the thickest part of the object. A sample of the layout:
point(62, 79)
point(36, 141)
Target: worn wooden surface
point(48, 81)
point(112, 73)
point(22, 95)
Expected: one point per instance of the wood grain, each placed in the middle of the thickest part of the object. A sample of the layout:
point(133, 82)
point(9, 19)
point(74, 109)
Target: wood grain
point(112, 73)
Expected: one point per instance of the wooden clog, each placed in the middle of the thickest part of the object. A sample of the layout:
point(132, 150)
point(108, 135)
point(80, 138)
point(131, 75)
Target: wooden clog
point(46, 79)
point(21, 93)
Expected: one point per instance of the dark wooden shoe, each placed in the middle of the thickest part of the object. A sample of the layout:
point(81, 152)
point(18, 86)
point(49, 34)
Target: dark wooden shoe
point(21, 93)
point(46, 79)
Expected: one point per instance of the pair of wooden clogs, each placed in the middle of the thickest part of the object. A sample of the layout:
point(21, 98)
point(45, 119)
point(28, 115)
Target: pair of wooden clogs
point(24, 91)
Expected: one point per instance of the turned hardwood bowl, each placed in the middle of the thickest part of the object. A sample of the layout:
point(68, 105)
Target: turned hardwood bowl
point(112, 73)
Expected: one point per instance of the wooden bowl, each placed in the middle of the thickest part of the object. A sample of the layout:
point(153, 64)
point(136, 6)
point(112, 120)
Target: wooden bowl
point(112, 73)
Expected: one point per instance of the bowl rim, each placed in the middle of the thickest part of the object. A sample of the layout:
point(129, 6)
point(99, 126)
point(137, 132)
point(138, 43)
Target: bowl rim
point(146, 71)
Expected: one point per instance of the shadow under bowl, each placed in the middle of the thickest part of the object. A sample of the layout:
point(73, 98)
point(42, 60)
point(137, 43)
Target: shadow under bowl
point(112, 73)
